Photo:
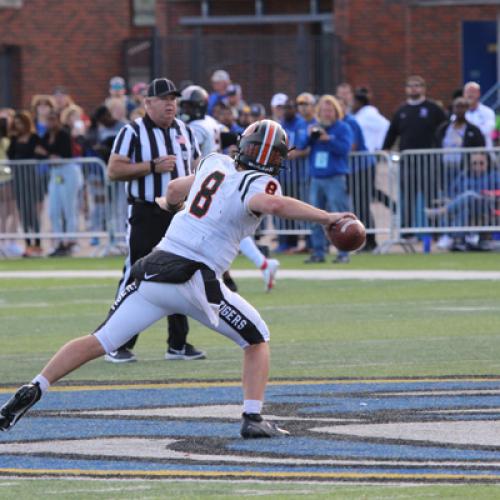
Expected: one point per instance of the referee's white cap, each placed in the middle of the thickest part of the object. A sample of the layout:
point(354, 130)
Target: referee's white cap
point(160, 87)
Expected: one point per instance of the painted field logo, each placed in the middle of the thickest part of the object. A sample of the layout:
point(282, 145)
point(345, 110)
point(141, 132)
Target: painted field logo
point(437, 430)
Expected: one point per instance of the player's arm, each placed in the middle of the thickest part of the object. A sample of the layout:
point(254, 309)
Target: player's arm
point(291, 208)
point(177, 192)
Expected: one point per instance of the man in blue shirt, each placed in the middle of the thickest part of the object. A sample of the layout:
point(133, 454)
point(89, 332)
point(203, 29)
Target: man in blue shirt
point(220, 82)
point(292, 178)
point(362, 177)
point(330, 142)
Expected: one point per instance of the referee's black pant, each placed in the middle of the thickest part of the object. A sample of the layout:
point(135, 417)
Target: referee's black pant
point(148, 223)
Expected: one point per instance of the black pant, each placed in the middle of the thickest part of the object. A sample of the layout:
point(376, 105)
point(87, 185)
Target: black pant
point(148, 224)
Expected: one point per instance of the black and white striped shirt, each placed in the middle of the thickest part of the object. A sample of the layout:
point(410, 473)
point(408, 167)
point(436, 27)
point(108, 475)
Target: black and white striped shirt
point(142, 140)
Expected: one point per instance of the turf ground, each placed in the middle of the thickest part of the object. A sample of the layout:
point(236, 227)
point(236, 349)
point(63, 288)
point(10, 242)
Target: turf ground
point(321, 330)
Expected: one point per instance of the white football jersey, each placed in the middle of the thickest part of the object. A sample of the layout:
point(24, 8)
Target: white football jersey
point(207, 132)
point(216, 217)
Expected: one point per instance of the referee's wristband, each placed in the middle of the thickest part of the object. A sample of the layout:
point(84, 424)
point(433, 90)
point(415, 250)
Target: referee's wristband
point(152, 166)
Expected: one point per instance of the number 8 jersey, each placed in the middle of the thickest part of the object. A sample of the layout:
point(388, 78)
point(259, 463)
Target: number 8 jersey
point(216, 216)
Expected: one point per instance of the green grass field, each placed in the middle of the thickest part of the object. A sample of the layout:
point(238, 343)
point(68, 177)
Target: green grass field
point(323, 329)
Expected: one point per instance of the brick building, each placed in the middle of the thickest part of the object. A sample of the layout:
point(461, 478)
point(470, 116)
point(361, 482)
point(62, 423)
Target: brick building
point(266, 45)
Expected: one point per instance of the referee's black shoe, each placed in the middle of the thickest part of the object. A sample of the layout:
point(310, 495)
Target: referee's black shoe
point(254, 426)
point(187, 353)
point(122, 355)
point(25, 397)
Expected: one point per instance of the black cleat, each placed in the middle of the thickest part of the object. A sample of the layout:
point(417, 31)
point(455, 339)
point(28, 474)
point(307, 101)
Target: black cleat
point(254, 426)
point(25, 397)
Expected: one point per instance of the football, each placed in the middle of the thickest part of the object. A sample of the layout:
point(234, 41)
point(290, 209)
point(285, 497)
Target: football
point(347, 234)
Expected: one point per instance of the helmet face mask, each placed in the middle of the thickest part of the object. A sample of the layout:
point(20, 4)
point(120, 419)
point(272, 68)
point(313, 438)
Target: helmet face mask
point(193, 103)
point(263, 146)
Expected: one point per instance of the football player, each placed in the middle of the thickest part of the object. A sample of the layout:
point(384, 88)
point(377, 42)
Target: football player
point(213, 137)
point(226, 200)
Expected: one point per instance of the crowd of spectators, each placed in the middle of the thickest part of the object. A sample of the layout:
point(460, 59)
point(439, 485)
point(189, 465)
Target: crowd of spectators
point(323, 131)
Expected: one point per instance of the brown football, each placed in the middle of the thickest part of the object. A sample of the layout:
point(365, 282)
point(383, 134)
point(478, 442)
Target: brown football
point(347, 234)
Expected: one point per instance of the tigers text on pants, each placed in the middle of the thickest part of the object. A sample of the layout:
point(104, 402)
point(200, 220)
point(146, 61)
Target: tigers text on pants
point(139, 306)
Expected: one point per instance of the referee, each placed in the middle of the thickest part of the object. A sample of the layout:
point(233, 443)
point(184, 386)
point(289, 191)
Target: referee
point(147, 153)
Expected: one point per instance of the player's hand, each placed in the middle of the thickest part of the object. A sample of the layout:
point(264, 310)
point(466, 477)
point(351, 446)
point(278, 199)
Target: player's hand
point(161, 201)
point(165, 163)
point(334, 217)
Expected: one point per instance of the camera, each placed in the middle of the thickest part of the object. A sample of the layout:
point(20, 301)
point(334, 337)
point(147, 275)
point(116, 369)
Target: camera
point(316, 133)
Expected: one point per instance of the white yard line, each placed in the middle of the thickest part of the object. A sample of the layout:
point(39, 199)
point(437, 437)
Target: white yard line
point(319, 274)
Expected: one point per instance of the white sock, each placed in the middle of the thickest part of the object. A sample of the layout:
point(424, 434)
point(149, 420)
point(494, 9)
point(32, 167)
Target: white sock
point(252, 406)
point(42, 382)
point(250, 250)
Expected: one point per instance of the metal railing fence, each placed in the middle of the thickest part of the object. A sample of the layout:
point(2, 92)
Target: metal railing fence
point(63, 200)
point(415, 194)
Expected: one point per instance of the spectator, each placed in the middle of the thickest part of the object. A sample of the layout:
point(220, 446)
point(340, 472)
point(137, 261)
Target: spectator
point(473, 200)
point(41, 106)
point(455, 133)
point(220, 82)
point(330, 142)
point(139, 92)
point(305, 107)
point(118, 93)
point(6, 119)
point(61, 99)
point(372, 123)
point(479, 114)
point(118, 109)
point(257, 112)
point(98, 142)
point(278, 106)
point(415, 124)
point(244, 117)
point(28, 186)
point(234, 99)
point(64, 185)
point(226, 117)
point(8, 213)
point(290, 178)
point(103, 131)
point(362, 177)
point(74, 120)
point(344, 92)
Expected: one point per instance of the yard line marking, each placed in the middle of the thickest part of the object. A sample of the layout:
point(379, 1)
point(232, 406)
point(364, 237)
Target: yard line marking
point(245, 473)
point(324, 275)
point(197, 384)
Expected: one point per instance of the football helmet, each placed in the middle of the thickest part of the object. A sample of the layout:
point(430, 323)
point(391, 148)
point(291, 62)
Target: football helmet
point(263, 146)
point(193, 103)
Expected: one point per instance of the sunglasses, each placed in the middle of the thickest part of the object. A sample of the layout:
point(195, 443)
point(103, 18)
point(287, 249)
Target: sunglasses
point(304, 104)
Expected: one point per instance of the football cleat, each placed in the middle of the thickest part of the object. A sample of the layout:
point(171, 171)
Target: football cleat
point(269, 273)
point(25, 397)
point(254, 426)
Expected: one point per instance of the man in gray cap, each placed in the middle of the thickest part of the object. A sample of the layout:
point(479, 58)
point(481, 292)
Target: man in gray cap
point(220, 82)
point(147, 154)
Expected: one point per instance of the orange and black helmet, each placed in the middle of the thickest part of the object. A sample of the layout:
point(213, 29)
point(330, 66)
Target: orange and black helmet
point(263, 146)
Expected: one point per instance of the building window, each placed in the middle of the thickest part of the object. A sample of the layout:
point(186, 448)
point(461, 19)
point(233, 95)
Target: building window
point(143, 12)
point(12, 4)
